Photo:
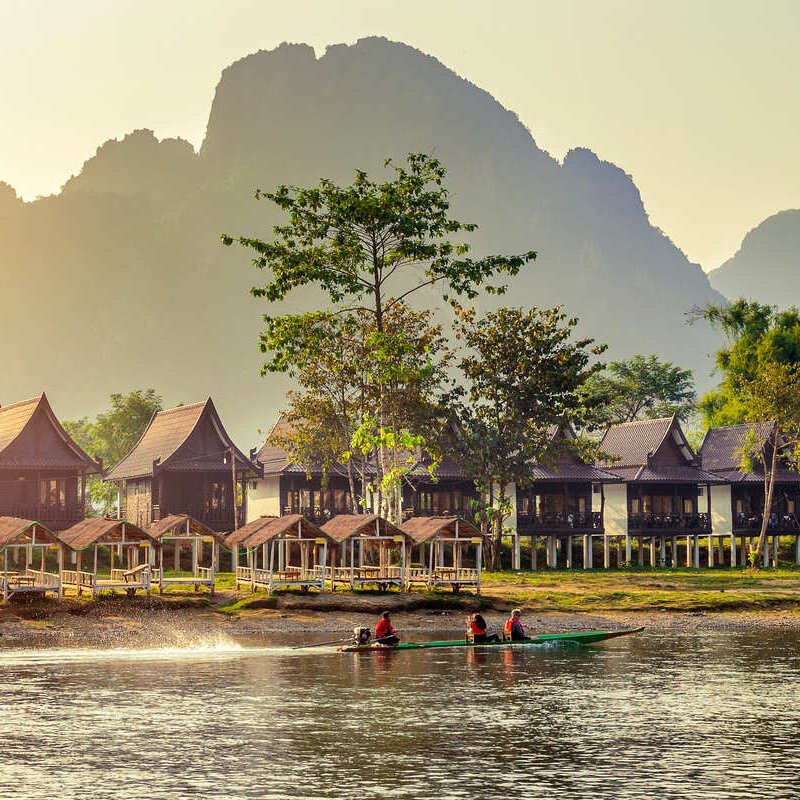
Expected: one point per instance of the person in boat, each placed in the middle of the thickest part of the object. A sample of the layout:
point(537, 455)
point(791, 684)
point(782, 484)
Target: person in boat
point(514, 628)
point(384, 632)
point(476, 629)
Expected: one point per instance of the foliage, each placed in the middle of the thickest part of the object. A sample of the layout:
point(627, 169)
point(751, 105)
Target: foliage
point(524, 373)
point(111, 435)
point(756, 335)
point(369, 246)
point(642, 387)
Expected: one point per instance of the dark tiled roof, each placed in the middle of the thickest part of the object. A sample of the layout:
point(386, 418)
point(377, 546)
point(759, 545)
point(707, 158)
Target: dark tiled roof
point(572, 472)
point(423, 529)
point(670, 474)
point(101, 530)
point(721, 448)
point(344, 526)
point(60, 451)
point(264, 529)
point(14, 528)
point(178, 524)
point(167, 438)
point(632, 442)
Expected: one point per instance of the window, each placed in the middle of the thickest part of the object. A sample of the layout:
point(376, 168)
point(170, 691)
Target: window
point(688, 505)
point(53, 492)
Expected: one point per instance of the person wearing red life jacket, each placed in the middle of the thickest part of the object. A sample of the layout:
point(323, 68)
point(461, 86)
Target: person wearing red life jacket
point(514, 628)
point(476, 630)
point(384, 632)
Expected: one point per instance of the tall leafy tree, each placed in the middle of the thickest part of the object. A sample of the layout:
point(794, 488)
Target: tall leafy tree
point(642, 387)
point(111, 435)
point(524, 371)
point(369, 246)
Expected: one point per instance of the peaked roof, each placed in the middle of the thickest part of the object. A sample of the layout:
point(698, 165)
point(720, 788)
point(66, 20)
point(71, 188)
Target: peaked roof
point(169, 440)
point(642, 449)
point(13, 528)
point(423, 529)
point(102, 530)
point(721, 452)
point(264, 529)
point(180, 524)
point(23, 445)
point(345, 526)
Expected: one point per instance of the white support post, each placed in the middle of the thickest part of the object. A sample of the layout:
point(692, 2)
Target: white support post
point(674, 552)
point(776, 541)
point(534, 565)
point(689, 552)
point(516, 554)
point(662, 552)
point(606, 552)
point(588, 561)
point(653, 546)
point(797, 550)
point(569, 552)
point(733, 551)
point(639, 551)
point(628, 554)
point(710, 550)
point(696, 551)
point(765, 555)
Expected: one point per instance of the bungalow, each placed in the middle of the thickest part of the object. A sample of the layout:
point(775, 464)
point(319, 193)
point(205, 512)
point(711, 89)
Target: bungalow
point(185, 463)
point(42, 470)
point(665, 493)
point(737, 506)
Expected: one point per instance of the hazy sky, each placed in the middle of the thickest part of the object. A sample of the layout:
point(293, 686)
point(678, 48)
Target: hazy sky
point(697, 100)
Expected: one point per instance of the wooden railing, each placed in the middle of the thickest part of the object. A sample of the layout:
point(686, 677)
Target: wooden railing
point(778, 522)
point(76, 578)
point(669, 522)
point(574, 521)
point(57, 517)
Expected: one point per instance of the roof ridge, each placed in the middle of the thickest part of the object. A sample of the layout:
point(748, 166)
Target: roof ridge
point(182, 408)
point(18, 403)
point(648, 420)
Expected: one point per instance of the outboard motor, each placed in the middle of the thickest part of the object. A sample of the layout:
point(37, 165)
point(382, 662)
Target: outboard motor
point(361, 636)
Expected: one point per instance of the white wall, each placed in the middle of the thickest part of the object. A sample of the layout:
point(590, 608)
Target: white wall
point(511, 520)
point(265, 499)
point(615, 513)
point(721, 510)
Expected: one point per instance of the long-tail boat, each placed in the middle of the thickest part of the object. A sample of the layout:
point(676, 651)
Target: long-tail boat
point(576, 637)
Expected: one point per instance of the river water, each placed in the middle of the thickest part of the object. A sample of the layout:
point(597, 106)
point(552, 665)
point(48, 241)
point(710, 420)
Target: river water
point(653, 716)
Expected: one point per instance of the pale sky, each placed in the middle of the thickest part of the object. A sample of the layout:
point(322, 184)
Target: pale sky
point(697, 100)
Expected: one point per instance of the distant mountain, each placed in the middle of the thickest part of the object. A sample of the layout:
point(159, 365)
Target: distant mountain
point(120, 281)
point(767, 265)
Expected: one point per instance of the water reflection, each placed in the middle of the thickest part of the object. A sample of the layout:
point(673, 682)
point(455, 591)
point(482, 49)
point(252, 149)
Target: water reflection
point(668, 716)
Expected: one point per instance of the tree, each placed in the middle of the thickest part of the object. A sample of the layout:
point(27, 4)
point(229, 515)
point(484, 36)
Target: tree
point(369, 246)
point(523, 372)
point(111, 435)
point(760, 367)
point(773, 395)
point(756, 335)
point(642, 387)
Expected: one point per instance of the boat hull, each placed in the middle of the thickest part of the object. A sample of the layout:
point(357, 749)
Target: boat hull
point(576, 637)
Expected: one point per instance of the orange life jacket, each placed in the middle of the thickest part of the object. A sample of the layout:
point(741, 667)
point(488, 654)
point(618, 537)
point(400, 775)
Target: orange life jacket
point(476, 629)
point(509, 624)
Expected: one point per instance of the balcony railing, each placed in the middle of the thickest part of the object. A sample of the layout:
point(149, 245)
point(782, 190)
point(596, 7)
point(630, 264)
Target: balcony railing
point(669, 522)
point(218, 519)
point(464, 513)
point(317, 515)
point(55, 517)
point(573, 521)
point(778, 522)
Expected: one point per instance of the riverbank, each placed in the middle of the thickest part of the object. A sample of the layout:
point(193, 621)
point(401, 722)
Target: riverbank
point(552, 601)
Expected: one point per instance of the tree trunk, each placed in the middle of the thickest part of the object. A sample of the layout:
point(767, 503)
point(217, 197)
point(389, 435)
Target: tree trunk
point(769, 489)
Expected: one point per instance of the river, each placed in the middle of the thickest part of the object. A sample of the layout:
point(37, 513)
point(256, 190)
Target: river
point(653, 716)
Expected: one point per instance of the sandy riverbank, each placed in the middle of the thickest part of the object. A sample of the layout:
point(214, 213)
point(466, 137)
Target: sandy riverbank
point(183, 621)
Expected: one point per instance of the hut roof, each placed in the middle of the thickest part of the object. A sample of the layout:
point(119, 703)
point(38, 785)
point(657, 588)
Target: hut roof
point(264, 529)
point(345, 526)
point(12, 528)
point(632, 442)
point(100, 530)
point(186, 438)
point(423, 529)
point(31, 437)
point(178, 524)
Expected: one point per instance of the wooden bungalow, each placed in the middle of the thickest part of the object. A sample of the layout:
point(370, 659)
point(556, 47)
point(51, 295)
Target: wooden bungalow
point(185, 463)
point(448, 491)
point(737, 506)
point(563, 499)
point(181, 533)
point(292, 552)
point(665, 495)
point(287, 488)
point(42, 471)
point(449, 551)
point(370, 551)
point(125, 561)
point(23, 542)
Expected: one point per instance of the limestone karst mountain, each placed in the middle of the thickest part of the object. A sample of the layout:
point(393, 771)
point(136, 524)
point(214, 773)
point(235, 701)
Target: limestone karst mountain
point(767, 265)
point(120, 281)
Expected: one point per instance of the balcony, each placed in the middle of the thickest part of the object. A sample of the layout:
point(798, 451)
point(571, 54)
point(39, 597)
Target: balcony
point(574, 522)
point(57, 518)
point(691, 523)
point(468, 514)
point(317, 515)
point(218, 519)
point(778, 522)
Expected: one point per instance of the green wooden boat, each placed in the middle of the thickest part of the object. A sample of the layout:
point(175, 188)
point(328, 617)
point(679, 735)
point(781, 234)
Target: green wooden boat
point(578, 637)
